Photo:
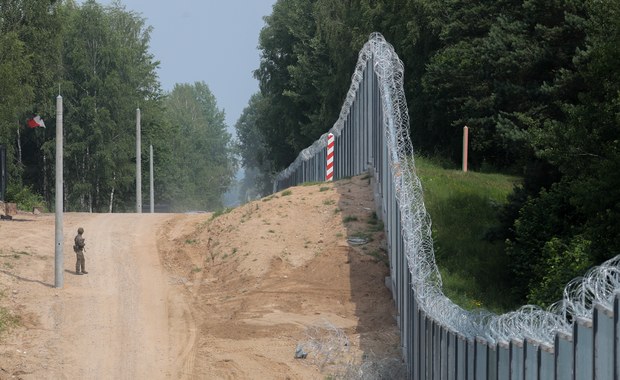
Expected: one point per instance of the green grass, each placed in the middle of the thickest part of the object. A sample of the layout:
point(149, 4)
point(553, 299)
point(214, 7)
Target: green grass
point(464, 208)
point(221, 212)
point(349, 218)
point(7, 320)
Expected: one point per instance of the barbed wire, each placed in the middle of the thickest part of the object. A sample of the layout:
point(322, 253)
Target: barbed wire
point(597, 286)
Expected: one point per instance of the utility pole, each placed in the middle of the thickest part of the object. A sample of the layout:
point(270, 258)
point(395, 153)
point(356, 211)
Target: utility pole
point(58, 258)
point(152, 189)
point(138, 165)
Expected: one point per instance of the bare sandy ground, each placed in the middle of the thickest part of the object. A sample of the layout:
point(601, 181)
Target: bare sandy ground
point(198, 296)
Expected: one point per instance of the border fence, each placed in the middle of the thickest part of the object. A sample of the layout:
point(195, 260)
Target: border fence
point(576, 338)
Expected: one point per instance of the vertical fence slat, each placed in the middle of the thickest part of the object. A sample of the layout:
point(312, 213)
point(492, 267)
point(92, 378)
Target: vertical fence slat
point(603, 320)
point(436, 351)
point(546, 369)
point(452, 353)
point(516, 360)
point(461, 358)
point(471, 359)
point(583, 361)
point(492, 362)
point(481, 358)
point(424, 343)
point(503, 360)
point(530, 352)
point(563, 356)
point(617, 336)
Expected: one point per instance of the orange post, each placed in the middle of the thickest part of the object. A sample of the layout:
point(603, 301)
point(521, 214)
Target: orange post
point(465, 143)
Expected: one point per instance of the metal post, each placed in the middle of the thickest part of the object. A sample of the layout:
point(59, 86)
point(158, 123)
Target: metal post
point(564, 352)
point(583, 335)
point(329, 168)
point(531, 360)
point(503, 360)
point(465, 147)
point(517, 356)
point(603, 319)
point(58, 257)
point(138, 164)
point(152, 189)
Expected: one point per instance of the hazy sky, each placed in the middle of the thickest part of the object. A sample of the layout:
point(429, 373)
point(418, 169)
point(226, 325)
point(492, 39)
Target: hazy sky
point(214, 41)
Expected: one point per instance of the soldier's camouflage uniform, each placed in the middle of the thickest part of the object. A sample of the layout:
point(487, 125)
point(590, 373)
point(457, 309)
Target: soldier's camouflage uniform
point(78, 247)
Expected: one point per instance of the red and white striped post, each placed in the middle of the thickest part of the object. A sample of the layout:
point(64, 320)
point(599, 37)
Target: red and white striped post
point(329, 173)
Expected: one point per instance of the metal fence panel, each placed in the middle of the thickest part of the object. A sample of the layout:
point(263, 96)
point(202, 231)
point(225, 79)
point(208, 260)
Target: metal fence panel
point(530, 350)
point(481, 350)
point(603, 343)
point(516, 360)
point(503, 360)
point(563, 356)
point(372, 132)
point(583, 335)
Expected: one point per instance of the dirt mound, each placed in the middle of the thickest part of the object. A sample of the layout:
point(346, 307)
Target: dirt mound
point(300, 271)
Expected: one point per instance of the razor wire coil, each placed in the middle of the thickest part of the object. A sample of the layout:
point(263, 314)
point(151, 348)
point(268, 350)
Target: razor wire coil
point(597, 286)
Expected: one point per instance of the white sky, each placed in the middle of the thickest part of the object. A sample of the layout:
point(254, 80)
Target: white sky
point(214, 41)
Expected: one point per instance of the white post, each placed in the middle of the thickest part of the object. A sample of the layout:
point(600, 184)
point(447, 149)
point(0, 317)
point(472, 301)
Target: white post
point(58, 258)
point(138, 164)
point(465, 147)
point(152, 192)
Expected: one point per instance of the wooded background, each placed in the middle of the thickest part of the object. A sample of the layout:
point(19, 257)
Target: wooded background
point(536, 81)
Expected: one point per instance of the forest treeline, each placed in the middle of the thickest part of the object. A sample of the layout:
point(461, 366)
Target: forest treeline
point(97, 57)
point(536, 81)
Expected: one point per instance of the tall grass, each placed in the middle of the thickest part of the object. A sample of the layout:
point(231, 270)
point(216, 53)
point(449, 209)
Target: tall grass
point(464, 209)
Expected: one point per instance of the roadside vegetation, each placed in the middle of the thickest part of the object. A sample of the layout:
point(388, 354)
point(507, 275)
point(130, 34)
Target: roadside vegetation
point(7, 319)
point(464, 209)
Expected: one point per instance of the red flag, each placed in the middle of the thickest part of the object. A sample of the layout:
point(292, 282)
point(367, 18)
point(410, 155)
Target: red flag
point(35, 121)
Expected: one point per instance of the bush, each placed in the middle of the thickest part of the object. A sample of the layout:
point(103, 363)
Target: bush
point(24, 197)
point(562, 262)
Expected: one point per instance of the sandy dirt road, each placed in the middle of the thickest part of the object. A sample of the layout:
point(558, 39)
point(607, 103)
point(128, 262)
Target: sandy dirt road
point(200, 296)
point(112, 323)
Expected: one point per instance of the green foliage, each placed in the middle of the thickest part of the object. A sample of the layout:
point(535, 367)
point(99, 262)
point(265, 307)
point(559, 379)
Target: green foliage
point(24, 197)
point(549, 214)
point(202, 162)
point(220, 212)
point(464, 208)
point(108, 73)
point(561, 262)
point(574, 217)
point(535, 81)
point(98, 58)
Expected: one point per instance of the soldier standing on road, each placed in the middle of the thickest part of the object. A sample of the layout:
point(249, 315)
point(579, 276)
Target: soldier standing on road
point(78, 247)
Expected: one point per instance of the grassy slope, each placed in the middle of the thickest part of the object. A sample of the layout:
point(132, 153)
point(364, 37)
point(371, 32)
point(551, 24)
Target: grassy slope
point(463, 208)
